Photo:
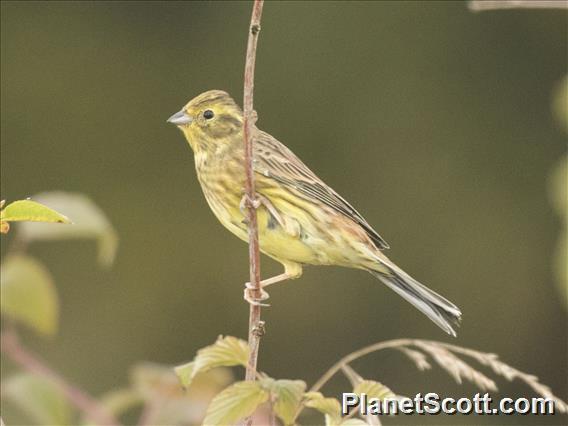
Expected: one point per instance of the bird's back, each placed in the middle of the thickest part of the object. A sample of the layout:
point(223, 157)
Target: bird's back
point(273, 160)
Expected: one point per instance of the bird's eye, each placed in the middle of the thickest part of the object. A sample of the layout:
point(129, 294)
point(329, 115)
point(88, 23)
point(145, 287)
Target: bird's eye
point(208, 114)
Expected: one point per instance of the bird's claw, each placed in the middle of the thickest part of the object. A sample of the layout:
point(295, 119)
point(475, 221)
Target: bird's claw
point(250, 298)
point(255, 202)
point(261, 200)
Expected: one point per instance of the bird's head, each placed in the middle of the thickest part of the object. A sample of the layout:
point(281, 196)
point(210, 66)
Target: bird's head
point(209, 119)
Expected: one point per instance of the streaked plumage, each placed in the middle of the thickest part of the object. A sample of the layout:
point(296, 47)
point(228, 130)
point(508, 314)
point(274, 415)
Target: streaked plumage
point(302, 221)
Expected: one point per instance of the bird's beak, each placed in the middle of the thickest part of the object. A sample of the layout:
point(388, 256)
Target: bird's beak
point(180, 118)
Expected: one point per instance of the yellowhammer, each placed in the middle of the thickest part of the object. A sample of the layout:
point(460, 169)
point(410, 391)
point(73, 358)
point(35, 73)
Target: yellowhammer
point(301, 220)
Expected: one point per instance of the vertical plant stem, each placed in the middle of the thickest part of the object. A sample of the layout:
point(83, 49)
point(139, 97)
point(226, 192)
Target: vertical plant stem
point(255, 324)
point(29, 362)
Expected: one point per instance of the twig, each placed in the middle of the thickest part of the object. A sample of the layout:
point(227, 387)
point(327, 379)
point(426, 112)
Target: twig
point(88, 405)
point(482, 5)
point(255, 324)
point(443, 354)
point(357, 354)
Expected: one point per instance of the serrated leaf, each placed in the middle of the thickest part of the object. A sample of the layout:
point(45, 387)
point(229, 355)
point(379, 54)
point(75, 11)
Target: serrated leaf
point(39, 398)
point(28, 294)
point(225, 352)
point(373, 389)
point(328, 406)
point(287, 396)
point(88, 222)
point(236, 402)
point(31, 211)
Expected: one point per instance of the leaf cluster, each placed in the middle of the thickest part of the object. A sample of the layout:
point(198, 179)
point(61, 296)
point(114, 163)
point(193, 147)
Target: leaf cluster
point(286, 399)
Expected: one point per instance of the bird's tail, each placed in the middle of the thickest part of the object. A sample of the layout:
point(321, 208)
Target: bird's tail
point(440, 310)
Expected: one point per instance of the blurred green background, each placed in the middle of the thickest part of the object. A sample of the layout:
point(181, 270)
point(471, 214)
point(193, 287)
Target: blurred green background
point(434, 122)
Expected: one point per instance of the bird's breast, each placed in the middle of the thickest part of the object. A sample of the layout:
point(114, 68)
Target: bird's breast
point(222, 186)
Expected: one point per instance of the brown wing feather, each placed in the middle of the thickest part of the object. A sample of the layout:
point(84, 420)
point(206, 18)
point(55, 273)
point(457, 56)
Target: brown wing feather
point(274, 160)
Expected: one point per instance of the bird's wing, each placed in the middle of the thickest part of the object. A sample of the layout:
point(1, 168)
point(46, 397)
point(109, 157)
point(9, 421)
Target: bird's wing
point(274, 160)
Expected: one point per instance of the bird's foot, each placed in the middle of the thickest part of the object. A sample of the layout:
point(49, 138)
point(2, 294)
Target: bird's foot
point(246, 201)
point(261, 200)
point(250, 297)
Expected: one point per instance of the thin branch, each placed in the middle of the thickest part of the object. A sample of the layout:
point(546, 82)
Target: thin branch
point(482, 5)
point(29, 362)
point(355, 355)
point(443, 354)
point(256, 326)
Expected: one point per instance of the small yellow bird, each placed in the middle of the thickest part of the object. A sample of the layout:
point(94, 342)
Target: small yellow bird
point(301, 220)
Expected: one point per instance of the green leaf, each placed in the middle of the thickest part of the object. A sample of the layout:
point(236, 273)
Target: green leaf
point(28, 294)
point(31, 211)
point(225, 352)
point(88, 222)
point(373, 389)
point(328, 406)
point(287, 395)
point(236, 402)
point(39, 398)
